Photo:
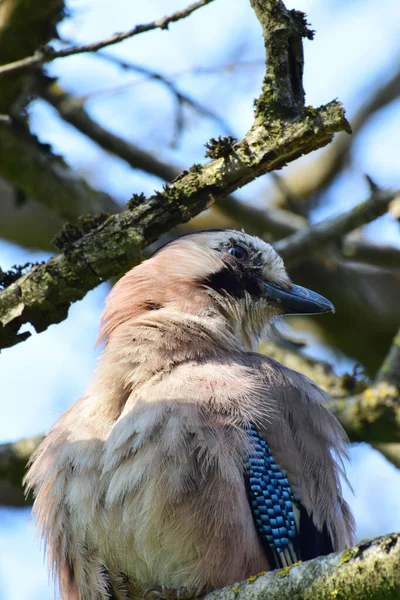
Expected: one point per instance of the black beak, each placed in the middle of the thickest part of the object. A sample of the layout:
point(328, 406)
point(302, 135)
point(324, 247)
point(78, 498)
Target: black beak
point(298, 300)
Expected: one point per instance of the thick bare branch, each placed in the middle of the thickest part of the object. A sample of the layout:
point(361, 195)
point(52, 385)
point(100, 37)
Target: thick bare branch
point(283, 29)
point(41, 57)
point(269, 224)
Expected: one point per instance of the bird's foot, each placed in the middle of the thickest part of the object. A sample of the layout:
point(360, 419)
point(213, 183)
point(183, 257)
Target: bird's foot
point(163, 592)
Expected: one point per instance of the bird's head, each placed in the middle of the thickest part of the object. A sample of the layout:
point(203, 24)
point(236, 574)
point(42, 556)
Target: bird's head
point(224, 272)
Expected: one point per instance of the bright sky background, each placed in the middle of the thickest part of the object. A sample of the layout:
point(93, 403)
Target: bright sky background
point(356, 47)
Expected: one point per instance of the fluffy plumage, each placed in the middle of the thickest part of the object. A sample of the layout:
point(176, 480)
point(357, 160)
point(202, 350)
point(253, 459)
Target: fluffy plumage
point(142, 481)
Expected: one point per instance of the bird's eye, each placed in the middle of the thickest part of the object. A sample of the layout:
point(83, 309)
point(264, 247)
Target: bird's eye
point(238, 252)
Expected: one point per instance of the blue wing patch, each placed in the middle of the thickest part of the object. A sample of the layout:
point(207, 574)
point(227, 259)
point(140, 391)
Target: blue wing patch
point(285, 539)
point(270, 495)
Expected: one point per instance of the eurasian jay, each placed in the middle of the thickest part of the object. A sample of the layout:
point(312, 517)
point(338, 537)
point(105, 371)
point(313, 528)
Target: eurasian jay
point(192, 461)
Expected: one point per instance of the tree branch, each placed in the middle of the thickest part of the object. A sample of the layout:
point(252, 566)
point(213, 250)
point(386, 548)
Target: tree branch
point(44, 294)
point(389, 373)
point(283, 30)
point(303, 243)
point(25, 25)
point(44, 56)
point(372, 416)
point(32, 168)
point(13, 461)
point(273, 221)
point(369, 570)
point(385, 257)
point(312, 178)
point(390, 369)
point(71, 110)
point(172, 87)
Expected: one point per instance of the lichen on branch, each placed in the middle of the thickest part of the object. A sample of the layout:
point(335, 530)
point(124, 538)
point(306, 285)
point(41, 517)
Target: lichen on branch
point(43, 295)
point(369, 571)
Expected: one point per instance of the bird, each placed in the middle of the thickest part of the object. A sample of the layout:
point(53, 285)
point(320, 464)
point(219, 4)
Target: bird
point(192, 461)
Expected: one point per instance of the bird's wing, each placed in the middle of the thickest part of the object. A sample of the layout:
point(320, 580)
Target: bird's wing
point(305, 448)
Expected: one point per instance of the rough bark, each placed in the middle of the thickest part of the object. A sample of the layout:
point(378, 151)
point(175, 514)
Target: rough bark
point(43, 295)
point(369, 571)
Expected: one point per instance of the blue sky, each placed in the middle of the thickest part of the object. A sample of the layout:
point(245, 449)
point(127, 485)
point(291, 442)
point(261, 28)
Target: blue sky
point(355, 48)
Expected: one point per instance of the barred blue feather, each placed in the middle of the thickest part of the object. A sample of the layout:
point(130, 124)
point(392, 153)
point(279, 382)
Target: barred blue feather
point(273, 506)
point(270, 495)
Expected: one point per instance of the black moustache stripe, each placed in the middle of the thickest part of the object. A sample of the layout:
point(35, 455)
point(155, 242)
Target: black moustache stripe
point(234, 283)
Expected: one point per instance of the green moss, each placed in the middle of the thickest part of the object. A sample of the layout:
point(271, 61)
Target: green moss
point(71, 232)
point(90, 222)
point(234, 589)
point(346, 556)
point(311, 111)
point(16, 271)
point(136, 200)
point(196, 168)
point(221, 147)
point(254, 577)
point(286, 570)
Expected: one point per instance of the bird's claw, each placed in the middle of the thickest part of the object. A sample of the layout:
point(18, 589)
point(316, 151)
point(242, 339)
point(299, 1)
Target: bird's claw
point(163, 592)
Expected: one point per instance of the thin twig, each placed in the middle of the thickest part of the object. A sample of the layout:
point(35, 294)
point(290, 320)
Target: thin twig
point(71, 110)
point(167, 81)
point(44, 56)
